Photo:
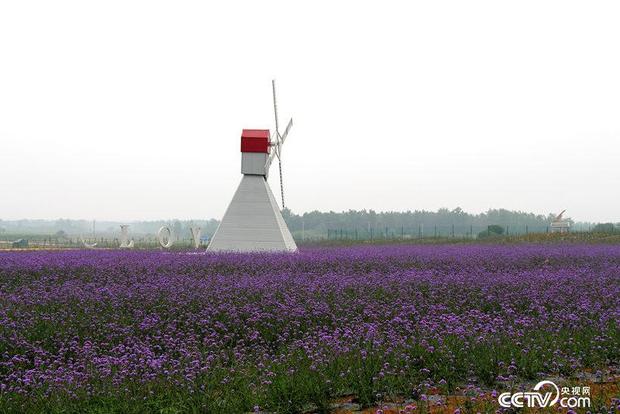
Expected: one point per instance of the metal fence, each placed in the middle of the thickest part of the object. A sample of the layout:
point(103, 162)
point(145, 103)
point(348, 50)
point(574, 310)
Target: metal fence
point(435, 231)
point(331, 234)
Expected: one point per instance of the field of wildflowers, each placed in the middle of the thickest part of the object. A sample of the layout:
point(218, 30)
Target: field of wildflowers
point(134, 332)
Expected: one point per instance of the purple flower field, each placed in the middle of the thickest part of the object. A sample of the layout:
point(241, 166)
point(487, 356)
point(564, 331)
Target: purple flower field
point(120, 331)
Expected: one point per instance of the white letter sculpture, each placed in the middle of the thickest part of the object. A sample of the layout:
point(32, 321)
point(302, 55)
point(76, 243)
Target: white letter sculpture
point(125, 243)
point(164, 236)
point(196, 235)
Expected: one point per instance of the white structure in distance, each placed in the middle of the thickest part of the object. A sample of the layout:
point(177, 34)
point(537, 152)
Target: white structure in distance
point(253, 221)
point(559, 224)
point(125, 242)
point(195, 230)
point(164, 236)
point(86, 244)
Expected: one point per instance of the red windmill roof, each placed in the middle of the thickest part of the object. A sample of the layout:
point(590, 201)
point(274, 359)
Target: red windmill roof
point(255, 140)
point(255, 133)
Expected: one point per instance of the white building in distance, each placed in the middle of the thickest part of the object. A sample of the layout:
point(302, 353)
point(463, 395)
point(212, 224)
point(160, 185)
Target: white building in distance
point(560, 225)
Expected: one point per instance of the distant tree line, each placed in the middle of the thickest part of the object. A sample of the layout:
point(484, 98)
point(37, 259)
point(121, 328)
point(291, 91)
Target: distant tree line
point(427, 222)
point(318, 224)
point(607, 228)
point(393, 219)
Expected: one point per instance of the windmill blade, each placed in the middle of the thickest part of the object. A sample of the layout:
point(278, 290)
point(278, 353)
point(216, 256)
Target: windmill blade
point(281, 183)
point(279, 140)
point(269, 160)
point(273, 143)
point(268, 163)
point(559, 217)
point(288, 128)
point(275, 108)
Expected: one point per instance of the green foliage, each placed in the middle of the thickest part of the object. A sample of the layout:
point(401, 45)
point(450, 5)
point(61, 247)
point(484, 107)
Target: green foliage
point(605, 228)
point(492, 230)
point(427, 220)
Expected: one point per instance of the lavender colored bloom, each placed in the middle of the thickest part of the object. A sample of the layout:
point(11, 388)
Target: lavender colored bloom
point(234, 332)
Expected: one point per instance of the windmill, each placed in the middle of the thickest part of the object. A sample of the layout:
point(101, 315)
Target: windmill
point(253, 221)
point(560, 224)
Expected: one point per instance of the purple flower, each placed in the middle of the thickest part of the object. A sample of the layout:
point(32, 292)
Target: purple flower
point(385, 319)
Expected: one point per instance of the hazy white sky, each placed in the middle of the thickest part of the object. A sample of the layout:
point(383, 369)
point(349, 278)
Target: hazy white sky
point(133, 110)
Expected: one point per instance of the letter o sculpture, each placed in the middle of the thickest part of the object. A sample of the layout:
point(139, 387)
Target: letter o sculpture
point(161, 236)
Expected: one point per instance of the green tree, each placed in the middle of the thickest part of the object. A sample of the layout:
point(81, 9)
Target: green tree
point(492, 230)
point(604, 228)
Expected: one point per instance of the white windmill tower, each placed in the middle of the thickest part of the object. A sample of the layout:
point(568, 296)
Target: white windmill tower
point(253, 221)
